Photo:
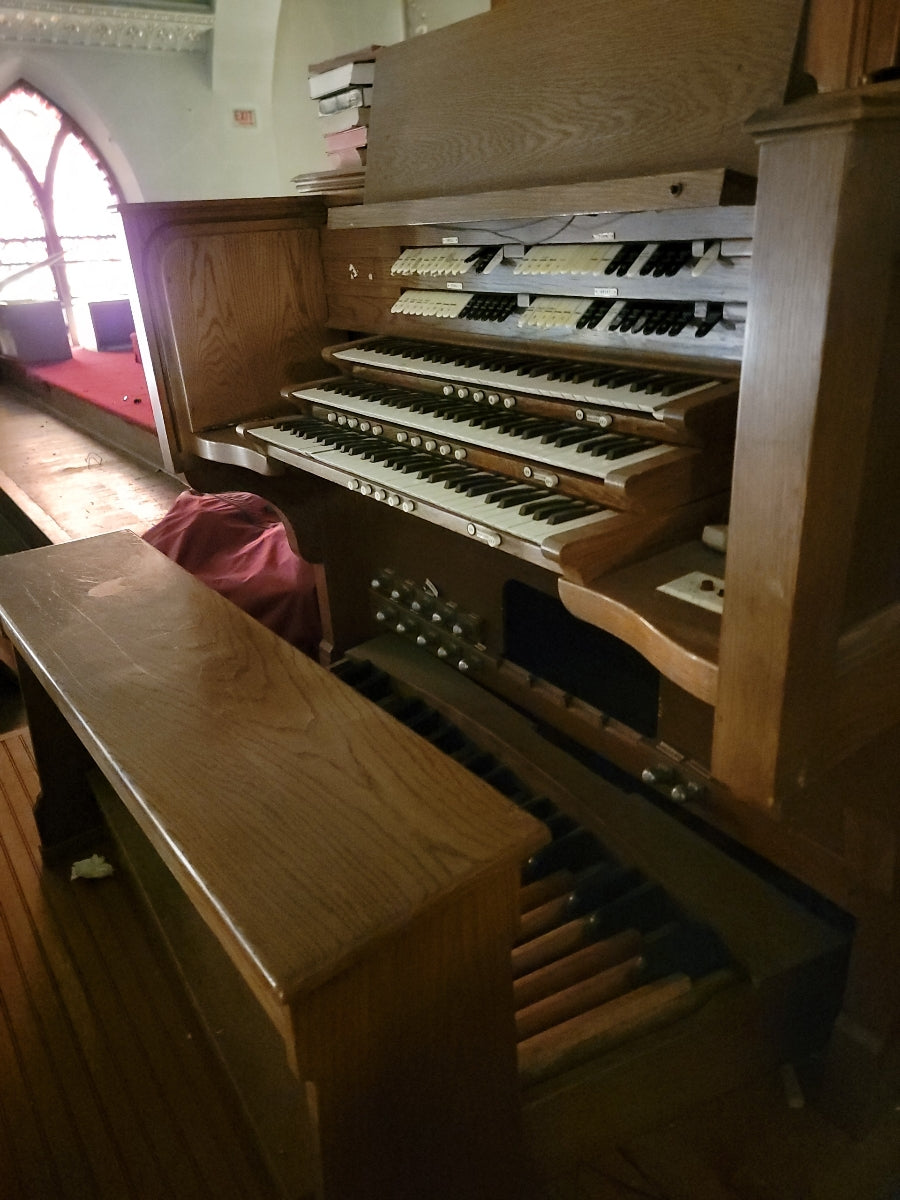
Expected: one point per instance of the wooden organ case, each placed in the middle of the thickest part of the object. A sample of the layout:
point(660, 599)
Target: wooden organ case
point(501, 417)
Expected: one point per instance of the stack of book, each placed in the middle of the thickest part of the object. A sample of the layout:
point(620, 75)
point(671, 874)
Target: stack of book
point(343, 88)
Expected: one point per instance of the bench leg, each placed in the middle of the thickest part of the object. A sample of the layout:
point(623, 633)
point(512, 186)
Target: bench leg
point(411, 1054)
point(66, 809)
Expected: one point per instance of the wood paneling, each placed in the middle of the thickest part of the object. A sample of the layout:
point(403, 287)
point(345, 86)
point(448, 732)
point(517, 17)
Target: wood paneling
point(680, 639)
point(848, 42)
point(233, 308)
point(682, 189)
point(827, 230)
point(556, 91)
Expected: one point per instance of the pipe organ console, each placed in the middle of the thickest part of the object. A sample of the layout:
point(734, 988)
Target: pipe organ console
point(501, 423)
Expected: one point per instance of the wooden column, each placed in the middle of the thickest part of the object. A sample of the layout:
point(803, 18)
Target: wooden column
point(814, 501)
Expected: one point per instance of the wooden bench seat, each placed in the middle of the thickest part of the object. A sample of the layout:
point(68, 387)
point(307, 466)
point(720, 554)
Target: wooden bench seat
point(363, 884)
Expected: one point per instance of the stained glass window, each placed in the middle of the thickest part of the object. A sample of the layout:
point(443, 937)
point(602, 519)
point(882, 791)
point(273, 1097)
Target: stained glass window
point(58, 200)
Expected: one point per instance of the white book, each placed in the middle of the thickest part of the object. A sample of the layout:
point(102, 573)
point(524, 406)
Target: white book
point(338, 79)
point(356, 97)
point(344, 118)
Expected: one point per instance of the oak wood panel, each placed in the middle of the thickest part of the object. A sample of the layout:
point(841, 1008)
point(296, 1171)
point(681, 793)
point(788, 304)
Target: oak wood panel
point(866, 698)
point(873, 580)
point(848, 43)
point(827, 230)
point(538, 92)
point(679, 638)
point(677, 190)
point(378, 1037)
point(244, 1039)
point(584, 560)
point(232, 306)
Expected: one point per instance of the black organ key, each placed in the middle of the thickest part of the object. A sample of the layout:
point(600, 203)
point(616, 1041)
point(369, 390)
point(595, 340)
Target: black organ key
point(481, 487)
point(667, 259)
point(386, 454)
point(622, 451)
point(538, 429)
point(599, 442)
point(413, 463)
point(608, 448)
point(510, 500)
point(687, 948)
point(510, 494)
point(570, 437)
point(584, 510)
point(490, 419)
point(442, 472)
point(626, 319)
point(624, 258)
point(645, 908)
point(577, 849)
point(652, 384)
point(712, 319)
point(560, 824)
point(542, 367)
point(594, 314)
point(471, 479)
point(541, 508)
point(540, 807)
point(643, 316)
point(676, 386)
point(598, 885)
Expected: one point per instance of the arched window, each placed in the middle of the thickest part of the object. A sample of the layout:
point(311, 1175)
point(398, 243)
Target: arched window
point(57, 210)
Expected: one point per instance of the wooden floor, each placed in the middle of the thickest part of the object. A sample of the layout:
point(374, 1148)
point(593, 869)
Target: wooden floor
point(70, 484)
point(108, 1089)
point(107, 1086)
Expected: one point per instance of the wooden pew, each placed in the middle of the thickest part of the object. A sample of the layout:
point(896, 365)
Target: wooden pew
point(363, 885)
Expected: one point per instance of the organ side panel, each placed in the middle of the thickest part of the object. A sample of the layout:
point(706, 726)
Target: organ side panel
point(232, 304)
point(807, 421)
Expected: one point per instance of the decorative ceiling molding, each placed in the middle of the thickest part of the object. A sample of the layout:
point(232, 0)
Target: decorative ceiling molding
point(67, 23)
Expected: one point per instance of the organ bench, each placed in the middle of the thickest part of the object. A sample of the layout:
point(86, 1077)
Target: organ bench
point(363, 884)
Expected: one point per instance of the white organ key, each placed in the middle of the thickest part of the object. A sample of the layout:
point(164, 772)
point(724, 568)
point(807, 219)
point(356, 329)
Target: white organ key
point(564, 458)
point(431, 304)
point(706, 260)
point(488, 377)
point(552, 312)
point(433, 501)
point(594, 258)
point(406, 263)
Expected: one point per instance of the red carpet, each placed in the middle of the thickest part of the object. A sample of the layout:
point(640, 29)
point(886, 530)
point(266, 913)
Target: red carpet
point(111, 380)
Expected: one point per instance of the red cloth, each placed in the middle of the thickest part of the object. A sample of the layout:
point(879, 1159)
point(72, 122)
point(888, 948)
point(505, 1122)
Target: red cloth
point(243, 548)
